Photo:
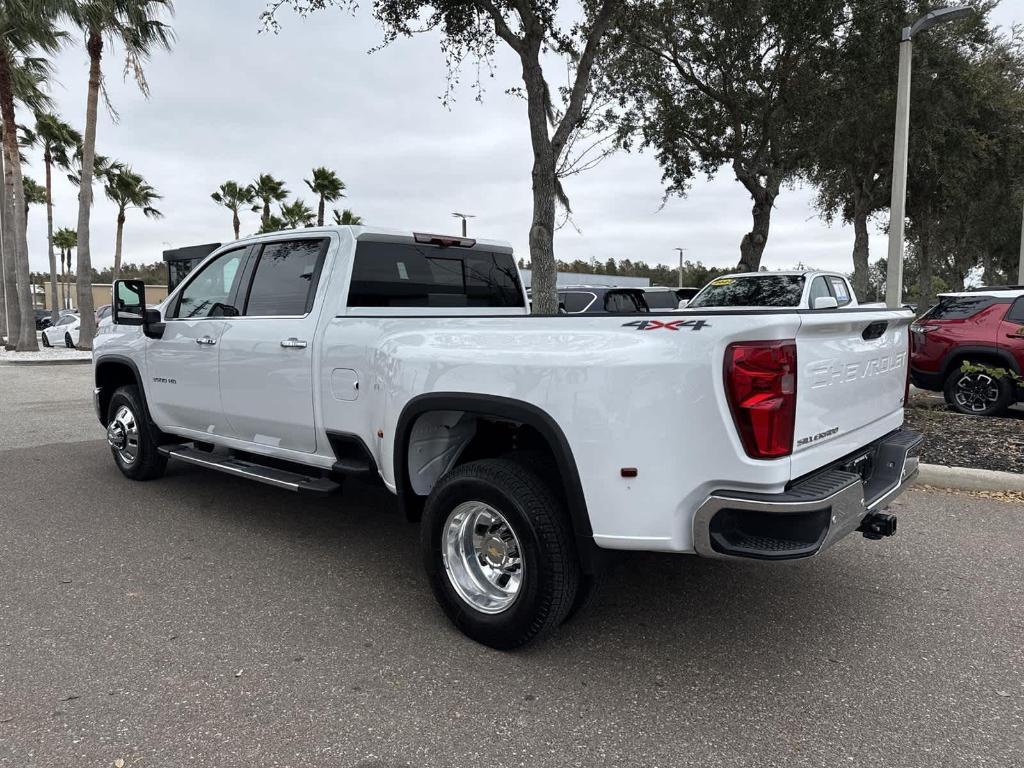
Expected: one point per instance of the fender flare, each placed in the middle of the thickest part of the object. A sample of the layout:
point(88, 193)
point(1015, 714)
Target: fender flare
point(511, 410)
point(961, 352)
point(130, 364)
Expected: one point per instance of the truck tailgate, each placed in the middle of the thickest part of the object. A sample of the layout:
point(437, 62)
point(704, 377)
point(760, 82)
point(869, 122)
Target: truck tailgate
point(851, 381)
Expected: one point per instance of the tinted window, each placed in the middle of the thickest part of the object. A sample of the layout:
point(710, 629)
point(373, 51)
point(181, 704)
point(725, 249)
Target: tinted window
point(285, 280)
point(623, 301)
point(661, 300)
point(67, 320)
point(819, 289)
point(576, 301)
point(752, 291)
point(415, 275)
point(958, 307)
point(207, 293)
point(1016, 313)
point(840, 290)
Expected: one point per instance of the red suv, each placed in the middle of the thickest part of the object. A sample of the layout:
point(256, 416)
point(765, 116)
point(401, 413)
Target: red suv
point(985, 327)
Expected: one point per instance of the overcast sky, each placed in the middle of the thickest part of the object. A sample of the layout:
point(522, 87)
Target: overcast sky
point(229, 102)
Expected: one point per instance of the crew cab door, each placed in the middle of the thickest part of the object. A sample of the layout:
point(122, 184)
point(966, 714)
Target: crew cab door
point(1011, 332)
point(184, 389)
point(267, 352)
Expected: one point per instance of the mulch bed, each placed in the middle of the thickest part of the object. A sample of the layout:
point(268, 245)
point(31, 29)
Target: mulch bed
point(967, 441)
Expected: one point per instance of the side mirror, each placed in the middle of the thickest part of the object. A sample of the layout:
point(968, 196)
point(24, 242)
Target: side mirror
point(153, 325)
point(825, 302)
point(128, 304)
point(683, 303)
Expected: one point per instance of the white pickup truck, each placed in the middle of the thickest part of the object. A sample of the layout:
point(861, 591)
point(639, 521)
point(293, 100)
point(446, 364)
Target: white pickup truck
point(525, 445)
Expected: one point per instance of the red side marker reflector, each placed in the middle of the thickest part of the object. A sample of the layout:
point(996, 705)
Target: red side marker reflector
point(628, 472)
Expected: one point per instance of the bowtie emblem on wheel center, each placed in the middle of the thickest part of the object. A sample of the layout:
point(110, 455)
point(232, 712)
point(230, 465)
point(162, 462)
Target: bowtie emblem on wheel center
point(116, 435)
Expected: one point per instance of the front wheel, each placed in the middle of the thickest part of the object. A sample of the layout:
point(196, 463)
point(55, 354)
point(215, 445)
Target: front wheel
point(46, 341)
point(977, 393)
point(130, 437)
point(499, 553)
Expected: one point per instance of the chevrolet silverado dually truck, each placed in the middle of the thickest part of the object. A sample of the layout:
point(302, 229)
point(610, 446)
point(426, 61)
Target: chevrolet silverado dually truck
point(525, 446)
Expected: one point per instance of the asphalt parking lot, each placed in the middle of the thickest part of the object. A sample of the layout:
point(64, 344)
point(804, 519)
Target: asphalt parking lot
point(200, 620)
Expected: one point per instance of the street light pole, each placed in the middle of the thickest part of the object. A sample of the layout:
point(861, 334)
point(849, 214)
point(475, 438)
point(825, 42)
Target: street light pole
point(681, 252)
point(464, 216)
point(897, 207)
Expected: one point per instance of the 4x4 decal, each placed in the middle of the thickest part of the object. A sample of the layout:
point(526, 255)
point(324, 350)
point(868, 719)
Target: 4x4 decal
point(671, 325)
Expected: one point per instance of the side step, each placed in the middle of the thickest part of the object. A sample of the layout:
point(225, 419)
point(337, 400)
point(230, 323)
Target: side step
point(250, 470)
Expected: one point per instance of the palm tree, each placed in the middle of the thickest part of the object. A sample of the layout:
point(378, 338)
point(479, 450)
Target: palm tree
point(66, 240)
point(272, 224)
point(34, 194)
point(27, 29)
point(346, 217)
point(136, 25)
point(267, 190)
point(233, 196)
point(59, 141)
point(296, 214)
point(127, 189)
point(103, 168)
point(326, 185)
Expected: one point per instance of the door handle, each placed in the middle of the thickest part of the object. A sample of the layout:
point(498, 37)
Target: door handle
point(208, 341)
point(293, 343)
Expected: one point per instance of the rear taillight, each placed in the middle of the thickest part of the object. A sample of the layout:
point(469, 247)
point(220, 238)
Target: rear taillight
point(760, 382)
point(910, 349)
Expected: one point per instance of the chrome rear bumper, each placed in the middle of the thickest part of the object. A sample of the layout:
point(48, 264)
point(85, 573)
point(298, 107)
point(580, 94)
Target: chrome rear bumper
point(815, 512)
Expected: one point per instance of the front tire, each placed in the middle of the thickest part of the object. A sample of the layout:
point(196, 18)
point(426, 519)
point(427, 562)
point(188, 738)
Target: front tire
point(46, 341)
point(977, 393)
point(130, 436)
point(499, 553)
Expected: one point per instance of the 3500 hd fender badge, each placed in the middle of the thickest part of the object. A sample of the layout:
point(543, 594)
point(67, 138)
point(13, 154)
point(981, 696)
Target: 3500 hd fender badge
point(671, 325)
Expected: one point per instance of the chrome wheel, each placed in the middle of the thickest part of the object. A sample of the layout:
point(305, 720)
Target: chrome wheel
point(976, 392)
point(123, 435)
point(482, 557)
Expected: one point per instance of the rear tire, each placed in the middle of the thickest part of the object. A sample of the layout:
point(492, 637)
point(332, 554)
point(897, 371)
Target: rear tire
point(130, 436)
point(977, 393)
point(499, 553)
point(68, 342)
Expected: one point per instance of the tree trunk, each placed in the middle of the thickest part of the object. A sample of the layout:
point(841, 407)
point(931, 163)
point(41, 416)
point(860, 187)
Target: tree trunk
point(266, 213)
point(87, 329)
point(235, 222)
point(861, 266)
point(5, 245)
point(753, 243)
point(924, 269)
point(320, 213)
point(48, 162)
point(118, 241)
point(26, 338)
point(542, 227)
point(10, 258)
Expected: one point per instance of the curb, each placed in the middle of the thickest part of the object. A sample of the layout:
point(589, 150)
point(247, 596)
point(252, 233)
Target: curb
point(965, 479)
point(58, 361)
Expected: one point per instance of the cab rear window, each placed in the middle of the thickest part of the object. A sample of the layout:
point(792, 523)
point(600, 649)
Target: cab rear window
point(751, 291)
point(418, 275)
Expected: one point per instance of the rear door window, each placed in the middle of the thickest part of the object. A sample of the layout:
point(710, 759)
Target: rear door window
point(420, 275)
point(657, 300)
point(577, 301)
point(623, 301)
point(840, 290)
point(1016, 313)
point(958, 307)
point(285, 280)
